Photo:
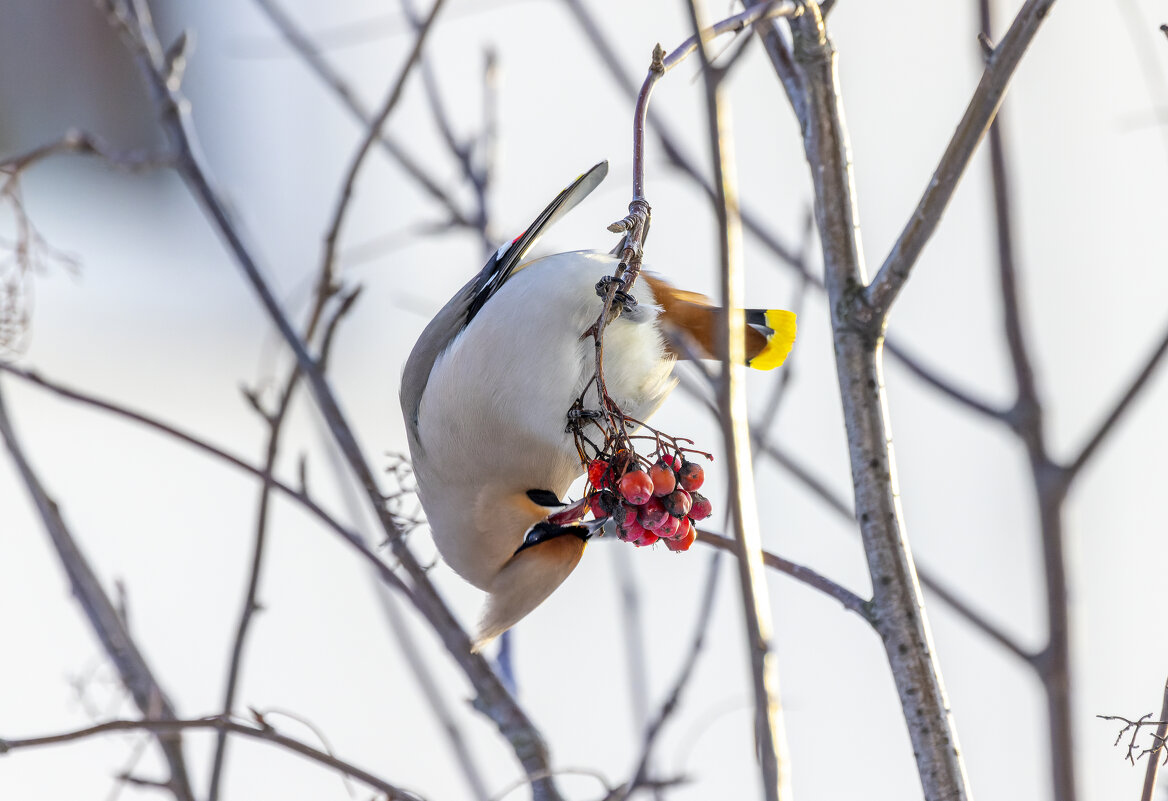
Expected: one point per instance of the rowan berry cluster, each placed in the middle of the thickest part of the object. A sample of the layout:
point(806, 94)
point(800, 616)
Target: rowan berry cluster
point(661, 503)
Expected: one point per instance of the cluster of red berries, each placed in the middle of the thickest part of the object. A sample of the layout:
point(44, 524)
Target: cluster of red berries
point(661, 503)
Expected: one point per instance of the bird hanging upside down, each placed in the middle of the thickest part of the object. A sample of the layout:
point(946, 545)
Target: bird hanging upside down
point(487, 388)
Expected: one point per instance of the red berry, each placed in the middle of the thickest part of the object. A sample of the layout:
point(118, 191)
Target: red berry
point(626, 515)
point(632, 532)
point(648, 538)
point(598, 474)
point(596, 504)
point(691, 476)
point(670, 527)
point(664, 479)
point(683, 541)
point(701, 507)
point(677, 503)
point(674, 461)
point(652, 514)
point(636, 487)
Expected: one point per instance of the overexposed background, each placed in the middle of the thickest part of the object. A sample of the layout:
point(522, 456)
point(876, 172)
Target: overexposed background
point(155, 316)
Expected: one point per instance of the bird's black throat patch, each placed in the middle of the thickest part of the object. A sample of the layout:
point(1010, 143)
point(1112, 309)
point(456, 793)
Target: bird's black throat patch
point(545, 530)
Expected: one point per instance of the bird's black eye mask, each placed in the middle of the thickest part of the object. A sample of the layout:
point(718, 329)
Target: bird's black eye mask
point(545, 497)
point(545, 530)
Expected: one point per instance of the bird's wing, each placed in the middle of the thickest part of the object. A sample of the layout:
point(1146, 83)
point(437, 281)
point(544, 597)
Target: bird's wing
point(461, 308)
point(500, 266)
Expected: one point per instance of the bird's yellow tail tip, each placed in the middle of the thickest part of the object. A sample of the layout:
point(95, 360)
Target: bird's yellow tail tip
point(782, 324)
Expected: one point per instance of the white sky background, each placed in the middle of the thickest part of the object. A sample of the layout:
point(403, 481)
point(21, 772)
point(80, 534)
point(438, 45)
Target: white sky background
point(158, 318)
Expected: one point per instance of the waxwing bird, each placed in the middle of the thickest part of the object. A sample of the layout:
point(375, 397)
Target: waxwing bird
point(486, 391)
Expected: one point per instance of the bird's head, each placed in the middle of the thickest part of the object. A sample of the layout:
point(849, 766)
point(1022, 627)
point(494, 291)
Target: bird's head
point(549, 552)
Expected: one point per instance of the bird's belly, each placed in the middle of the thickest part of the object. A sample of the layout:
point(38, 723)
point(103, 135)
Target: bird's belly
point(494, 412)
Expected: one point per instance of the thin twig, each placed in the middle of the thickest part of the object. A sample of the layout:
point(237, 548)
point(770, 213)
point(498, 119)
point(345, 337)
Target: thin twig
point(324, 70)
point(872, 307)
point(1053, 664)
point(943, 385)
point(218, 722)
point(85, 144)
point(275, 427)
point(135, 673)
point(848, 599)
point(300, 496)
point(404, 639)
point(673, 701)
point(1117, 412)
point(671, 147)
point(373, 133)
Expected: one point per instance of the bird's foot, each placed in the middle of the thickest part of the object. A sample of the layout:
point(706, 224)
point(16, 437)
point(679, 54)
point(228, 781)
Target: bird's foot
point(627, 301)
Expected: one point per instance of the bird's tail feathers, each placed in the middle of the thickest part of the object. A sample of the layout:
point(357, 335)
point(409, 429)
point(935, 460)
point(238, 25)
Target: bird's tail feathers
point(777, 326)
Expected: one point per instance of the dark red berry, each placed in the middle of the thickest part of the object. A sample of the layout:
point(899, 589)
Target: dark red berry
point(691, 476)
point(701, 508)
point(651, 514)
point(677, 503)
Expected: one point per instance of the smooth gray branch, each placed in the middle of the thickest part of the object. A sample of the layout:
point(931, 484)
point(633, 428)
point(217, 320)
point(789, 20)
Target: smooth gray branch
point(897, 605)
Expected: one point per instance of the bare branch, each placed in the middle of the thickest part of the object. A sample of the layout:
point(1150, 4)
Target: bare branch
point(806, 575)
point(299, 496)
point(878, 297)
point(770, 735)
point(1117, 411)
point(897, 605)
point(673, 700)
point(492, 697)
point(1159, 744)
point(103, 617)
point(669, 146)
point(947, 388)
point(372, 134)
point(321, 67)
point(275, 427)
point(261, 732)
point(85, 144)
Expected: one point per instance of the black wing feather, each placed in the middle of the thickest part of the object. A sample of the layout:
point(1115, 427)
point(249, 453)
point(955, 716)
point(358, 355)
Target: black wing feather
point(504, 261)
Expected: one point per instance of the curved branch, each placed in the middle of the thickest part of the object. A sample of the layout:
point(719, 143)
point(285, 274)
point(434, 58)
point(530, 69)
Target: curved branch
point(264, 733)
point(846, 597)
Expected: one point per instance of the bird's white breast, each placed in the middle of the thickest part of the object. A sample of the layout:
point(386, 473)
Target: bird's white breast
point(493, 417)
